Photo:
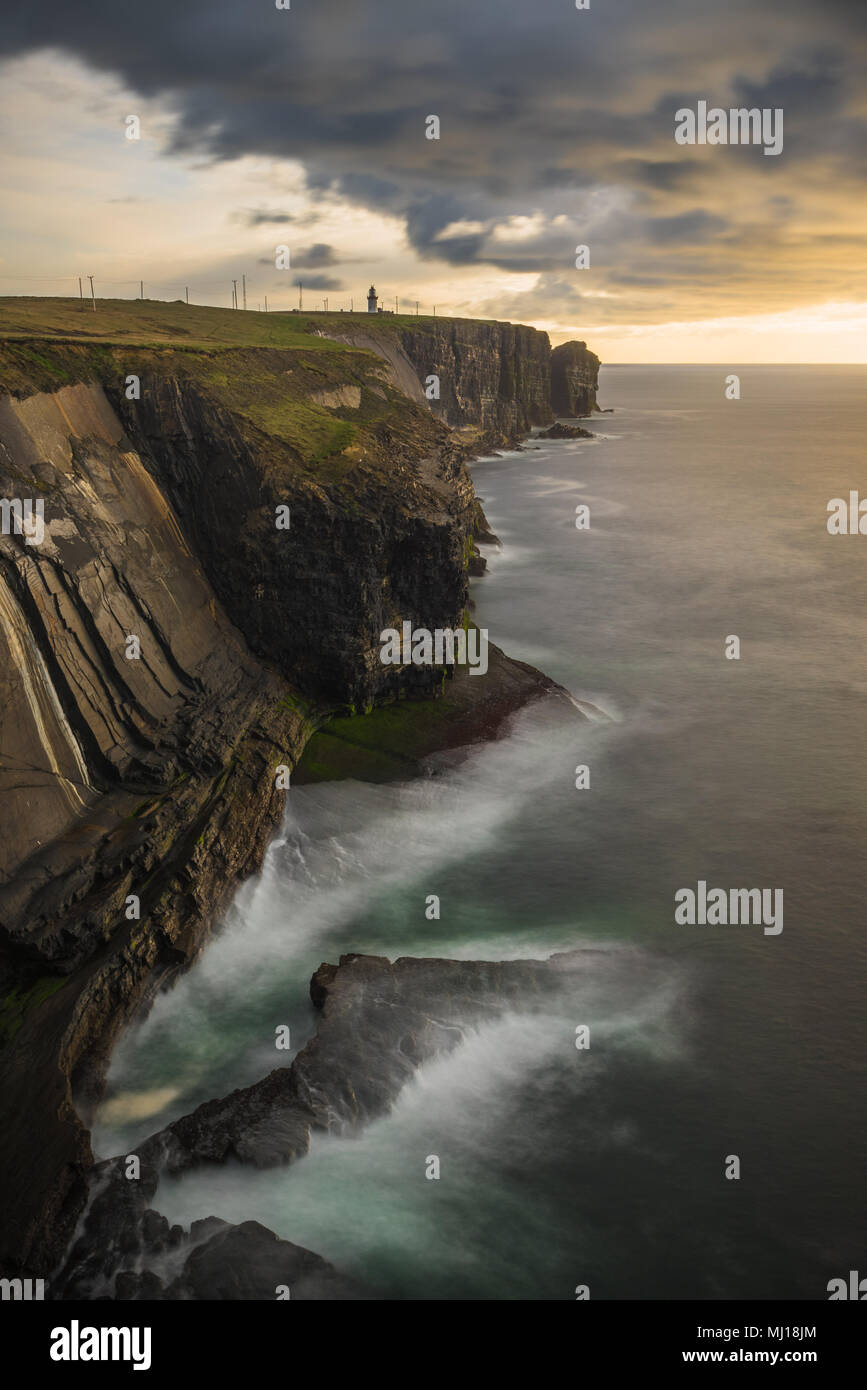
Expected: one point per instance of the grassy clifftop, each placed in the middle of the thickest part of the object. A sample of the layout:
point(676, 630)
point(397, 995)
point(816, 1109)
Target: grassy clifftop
point(151, 321)
point(327, 400)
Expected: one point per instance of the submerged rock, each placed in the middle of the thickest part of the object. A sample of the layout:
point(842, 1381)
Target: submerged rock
point(561, 431)
point(380, 1022)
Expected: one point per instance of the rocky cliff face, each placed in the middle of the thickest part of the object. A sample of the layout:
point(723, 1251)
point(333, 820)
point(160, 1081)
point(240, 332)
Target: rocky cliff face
point(377, 530)
point(574, 376)
point(147, 642)
point(494, 375)
point(139, 737)
point(502, 378)
point(166, 646)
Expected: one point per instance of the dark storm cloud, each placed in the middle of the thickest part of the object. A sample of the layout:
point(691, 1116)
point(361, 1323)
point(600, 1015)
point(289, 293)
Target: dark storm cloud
point(318, 255)
point(664, 174)
point(541, 106)
point(691, 227)
point(318, 282)
point(261, 217)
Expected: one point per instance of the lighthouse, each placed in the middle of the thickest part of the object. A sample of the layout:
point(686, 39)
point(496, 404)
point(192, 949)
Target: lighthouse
point(371, 300)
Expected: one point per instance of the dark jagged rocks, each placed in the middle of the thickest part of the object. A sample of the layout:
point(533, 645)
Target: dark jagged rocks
point(131, 1253)
point(561, 431)
point(380, 1021)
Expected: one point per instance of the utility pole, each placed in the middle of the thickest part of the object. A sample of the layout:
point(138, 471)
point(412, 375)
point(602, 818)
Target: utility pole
point(141, 288)
point(435, 311)
point(300, 295)
point(187, 288)
point(396, 308)
point(80, 292)
point(416, 308)
point(244, 284)
point(266, 303)
point(92, 295)
point(351, 304)
point(234, 294)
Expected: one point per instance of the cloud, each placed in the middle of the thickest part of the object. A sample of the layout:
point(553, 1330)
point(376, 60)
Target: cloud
point(261, 217)
point(556, 130)
point(318, 255)
point(692, 227)
point(318, 282)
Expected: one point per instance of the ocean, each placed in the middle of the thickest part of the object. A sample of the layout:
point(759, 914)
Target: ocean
point(604, 1167)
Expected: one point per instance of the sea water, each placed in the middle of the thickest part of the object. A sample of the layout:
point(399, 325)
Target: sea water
point(604, 1167)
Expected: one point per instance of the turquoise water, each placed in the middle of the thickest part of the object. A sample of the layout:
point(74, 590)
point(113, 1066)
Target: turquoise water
point(605, 1168)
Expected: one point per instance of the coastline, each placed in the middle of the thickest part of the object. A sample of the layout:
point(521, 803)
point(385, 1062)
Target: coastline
point(393, 742)
point(55, 1067)
point(161, 506)
point(270, 1122)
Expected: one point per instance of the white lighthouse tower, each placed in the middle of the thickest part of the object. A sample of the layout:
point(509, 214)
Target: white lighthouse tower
point(371, 300)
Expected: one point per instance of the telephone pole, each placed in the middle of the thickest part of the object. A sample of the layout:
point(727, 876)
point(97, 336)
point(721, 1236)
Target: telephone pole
point(80, 292)
point(244, 285)
point(141, 288)
point(300, 295)
point(92, 295)
point(266, 303)
point(187, 288)
point(234, 294)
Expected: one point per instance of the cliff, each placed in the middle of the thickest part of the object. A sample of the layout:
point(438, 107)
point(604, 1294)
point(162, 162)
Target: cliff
point(166, 646)
point(501, 378)
point(574, 375)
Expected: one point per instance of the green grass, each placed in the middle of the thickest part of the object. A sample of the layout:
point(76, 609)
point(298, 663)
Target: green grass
point(382, 744)
point(151, 321)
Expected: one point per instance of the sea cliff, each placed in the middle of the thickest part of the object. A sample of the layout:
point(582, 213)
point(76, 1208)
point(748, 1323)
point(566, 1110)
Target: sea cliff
point(233, 511)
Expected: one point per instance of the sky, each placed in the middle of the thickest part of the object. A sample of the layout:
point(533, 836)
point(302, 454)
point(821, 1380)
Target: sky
point(306, 128)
